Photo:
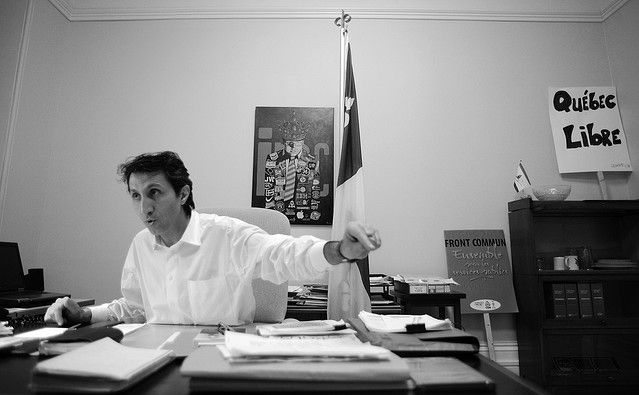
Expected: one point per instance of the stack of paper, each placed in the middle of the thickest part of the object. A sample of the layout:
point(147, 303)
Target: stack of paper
point(240, 346)
point(313, 327)
point(400, 323)
point(296, 363)
point(309, 295)
point(101, 366)
point(422, 285)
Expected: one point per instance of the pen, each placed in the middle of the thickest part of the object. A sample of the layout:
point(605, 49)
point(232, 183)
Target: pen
point(74, 327)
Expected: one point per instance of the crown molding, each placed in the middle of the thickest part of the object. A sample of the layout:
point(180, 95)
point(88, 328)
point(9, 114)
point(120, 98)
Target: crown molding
point(471, 10)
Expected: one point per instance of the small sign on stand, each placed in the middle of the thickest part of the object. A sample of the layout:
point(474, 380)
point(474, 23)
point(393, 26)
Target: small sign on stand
point(478, 261)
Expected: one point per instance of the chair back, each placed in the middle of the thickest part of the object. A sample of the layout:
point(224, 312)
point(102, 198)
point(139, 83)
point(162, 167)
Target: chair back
point(270, 298)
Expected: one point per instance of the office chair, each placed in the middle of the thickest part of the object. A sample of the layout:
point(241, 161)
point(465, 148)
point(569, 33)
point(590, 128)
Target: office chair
point(270, 299)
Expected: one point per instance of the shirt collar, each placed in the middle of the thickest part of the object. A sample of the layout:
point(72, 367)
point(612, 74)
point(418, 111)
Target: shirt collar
point(192, 233)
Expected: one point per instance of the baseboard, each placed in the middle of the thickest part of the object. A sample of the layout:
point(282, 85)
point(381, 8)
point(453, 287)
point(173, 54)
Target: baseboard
point(506, 354)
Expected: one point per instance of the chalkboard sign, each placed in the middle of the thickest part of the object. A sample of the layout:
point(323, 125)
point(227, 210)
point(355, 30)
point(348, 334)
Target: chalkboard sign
point(478, 261)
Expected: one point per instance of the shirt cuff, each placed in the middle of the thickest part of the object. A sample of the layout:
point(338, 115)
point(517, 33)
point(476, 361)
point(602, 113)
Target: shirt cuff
point(316, 255)
point(99, 313)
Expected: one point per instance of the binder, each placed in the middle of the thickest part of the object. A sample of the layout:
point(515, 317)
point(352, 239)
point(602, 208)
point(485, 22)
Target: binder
point(585, 300)
point(598, 308)
point(559, 300)
point(572, 300)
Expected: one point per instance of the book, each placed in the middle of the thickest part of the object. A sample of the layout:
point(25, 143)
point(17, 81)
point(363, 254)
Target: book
point(559, 300)
point(208, 370)
point(572, 300)
point(598, 307)
point(585, 300)
point(101, 366)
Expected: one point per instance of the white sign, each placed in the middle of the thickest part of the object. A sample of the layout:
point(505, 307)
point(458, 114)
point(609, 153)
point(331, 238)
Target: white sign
point(587, 130)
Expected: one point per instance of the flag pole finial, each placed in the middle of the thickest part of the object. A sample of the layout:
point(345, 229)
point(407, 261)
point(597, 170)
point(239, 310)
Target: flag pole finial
point(343, 21)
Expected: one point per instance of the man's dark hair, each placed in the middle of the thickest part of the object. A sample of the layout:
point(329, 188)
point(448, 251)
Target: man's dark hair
point(168, 162)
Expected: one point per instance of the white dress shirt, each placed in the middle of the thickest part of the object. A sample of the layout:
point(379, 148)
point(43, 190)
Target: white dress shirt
point(205, 278)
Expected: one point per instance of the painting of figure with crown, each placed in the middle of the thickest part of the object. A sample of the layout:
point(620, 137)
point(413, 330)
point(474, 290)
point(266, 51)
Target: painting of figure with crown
point(293, 163)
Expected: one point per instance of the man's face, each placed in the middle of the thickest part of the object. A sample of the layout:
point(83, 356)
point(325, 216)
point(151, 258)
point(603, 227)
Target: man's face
point(158, 206)
point(293, 148)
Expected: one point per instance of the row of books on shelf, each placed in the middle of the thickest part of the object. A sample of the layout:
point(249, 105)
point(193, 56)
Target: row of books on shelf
point(578, 300)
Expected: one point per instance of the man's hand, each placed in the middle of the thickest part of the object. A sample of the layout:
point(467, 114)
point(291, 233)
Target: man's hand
point(359, 239)
point(65, 311)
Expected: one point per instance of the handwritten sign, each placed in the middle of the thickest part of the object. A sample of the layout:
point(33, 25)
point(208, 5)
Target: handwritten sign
point(478, 261)
point(587, 130)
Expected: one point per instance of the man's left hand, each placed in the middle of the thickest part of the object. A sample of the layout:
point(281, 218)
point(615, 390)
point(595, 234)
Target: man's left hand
point(359, 239)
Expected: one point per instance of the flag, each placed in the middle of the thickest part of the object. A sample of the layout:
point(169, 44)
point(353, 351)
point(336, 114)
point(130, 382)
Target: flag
point(521, 178)
point(347, 290)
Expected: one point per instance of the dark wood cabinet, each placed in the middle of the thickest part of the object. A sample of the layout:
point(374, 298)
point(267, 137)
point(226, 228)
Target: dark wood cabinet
point(590, 352)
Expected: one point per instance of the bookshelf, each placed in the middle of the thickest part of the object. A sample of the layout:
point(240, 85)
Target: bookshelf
point(578, 330)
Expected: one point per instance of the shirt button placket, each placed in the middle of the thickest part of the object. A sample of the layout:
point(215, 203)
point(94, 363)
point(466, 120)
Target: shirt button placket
point(171, 285)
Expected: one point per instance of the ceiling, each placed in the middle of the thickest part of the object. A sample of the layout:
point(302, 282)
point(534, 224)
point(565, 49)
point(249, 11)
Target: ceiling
point(487, 10)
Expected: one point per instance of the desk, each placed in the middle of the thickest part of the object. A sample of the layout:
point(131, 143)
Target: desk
point(414, 303)
point(15, 370)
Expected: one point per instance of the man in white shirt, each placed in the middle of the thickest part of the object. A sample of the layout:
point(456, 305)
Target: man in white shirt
point(192, 268)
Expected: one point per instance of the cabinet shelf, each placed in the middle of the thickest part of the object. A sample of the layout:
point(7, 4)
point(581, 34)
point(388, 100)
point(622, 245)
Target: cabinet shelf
point(552, 275)
point(590, 324)
point(573, 347)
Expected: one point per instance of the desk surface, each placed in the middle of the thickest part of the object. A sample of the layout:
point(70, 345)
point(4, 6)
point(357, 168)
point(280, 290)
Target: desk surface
point(15, 370)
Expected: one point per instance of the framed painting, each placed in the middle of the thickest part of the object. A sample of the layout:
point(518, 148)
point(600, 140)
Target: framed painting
point(293, 163)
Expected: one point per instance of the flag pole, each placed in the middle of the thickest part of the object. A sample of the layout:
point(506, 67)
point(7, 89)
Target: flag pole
point(348, 292)
point(342, 23)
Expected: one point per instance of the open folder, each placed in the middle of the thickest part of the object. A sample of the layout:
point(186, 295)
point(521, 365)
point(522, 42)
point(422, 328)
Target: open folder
point(451, 341)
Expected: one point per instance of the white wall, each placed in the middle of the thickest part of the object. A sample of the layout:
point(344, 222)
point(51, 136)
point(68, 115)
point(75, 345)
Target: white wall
point(621, 32)
point(447, 109)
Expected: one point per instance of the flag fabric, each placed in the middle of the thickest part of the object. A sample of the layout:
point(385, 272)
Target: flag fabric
point(347, 291)
point(521, 178)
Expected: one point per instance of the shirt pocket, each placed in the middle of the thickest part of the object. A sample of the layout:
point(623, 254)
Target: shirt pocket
point(211, 300)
